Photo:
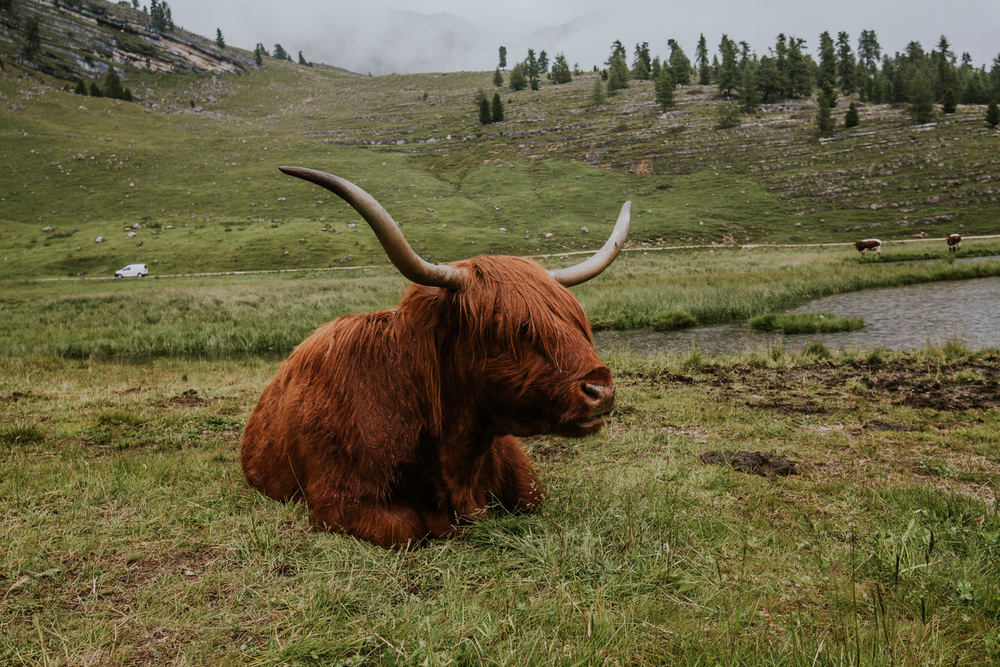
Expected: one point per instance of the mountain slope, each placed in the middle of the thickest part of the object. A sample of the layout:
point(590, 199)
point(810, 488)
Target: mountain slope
point(80, 40)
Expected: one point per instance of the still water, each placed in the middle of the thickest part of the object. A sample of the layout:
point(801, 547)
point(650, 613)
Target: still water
point(899, 318)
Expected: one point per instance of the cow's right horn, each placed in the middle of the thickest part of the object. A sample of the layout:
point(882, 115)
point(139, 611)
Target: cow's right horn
point(411, 265)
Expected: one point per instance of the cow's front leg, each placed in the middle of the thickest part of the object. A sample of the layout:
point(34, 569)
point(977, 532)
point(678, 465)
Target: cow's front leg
point(462, 493)
point(393, 525)
point(510, 477)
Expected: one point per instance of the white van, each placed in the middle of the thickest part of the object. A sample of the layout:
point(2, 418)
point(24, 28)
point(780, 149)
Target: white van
point(132, 271)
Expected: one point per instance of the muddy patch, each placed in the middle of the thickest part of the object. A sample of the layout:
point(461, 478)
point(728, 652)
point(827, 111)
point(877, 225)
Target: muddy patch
point(824, 388)
point(764, 464)
point(189, 398)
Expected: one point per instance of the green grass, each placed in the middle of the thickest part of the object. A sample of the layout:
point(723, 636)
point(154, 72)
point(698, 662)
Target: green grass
point(798, 323)
point(131, 537)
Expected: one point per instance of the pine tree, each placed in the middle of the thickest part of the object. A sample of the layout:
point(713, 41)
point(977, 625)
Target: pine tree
point(920, 97)
point(497, 78)
point(95, 90)
point(799, 73)
point(81, 88)
point(729, 73)
point(518, 79)
point(219, 41)
point(618, 74)
point(993, 114)
point(851, 118)
point(679, 64)
point(826, 75)
point(949, 104)
point(944, 65)
point(303, 61)
point(869, 51)
point(32, 37)
point(824, 118)
point(701, 60)
point(847, 68)
point(597, 96)
point(560, 70)
point(503, 58)
point(664, 87)
point(485, 116)
point(641, 64)
point(496, 111)
point(749, 88)
point(280, 53)
point(112, 84)
point(543, 62)
point(531, 65)
point(159, 12)
point(782, 80)
point(768, 80)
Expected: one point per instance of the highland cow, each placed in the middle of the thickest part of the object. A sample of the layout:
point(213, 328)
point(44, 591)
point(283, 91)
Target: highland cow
point(401, 425)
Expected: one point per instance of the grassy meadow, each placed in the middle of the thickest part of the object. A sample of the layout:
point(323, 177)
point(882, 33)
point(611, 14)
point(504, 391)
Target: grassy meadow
point(130, 536)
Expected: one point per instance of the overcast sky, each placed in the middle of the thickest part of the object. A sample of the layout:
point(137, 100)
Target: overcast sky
point(385, 36)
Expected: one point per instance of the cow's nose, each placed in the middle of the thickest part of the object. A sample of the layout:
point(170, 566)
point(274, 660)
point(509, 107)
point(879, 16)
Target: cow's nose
point(603, 395)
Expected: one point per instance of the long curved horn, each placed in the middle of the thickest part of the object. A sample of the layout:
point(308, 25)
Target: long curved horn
point(592, 267)
point(411, 265)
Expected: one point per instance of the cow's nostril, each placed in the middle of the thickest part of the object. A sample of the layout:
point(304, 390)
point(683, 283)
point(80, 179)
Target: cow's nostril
point(601, 392)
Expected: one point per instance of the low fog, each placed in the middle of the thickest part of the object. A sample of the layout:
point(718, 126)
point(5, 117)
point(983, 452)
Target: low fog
point(444, 35)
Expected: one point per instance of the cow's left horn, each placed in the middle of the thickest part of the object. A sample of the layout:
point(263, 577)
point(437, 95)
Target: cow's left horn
point(592, 267)
point(411, 265)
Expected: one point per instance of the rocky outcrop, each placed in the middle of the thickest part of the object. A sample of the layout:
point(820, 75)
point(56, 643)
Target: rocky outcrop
point(80, 39)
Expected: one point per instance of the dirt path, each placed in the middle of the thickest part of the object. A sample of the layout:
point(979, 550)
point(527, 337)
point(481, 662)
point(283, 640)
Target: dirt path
point(750, 246)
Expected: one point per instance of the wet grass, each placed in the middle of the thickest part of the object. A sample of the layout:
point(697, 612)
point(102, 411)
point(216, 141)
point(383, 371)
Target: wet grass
point(131, 536)
point(268, 314)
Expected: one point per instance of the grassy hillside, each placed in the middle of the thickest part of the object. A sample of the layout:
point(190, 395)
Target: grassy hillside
point(194, 163)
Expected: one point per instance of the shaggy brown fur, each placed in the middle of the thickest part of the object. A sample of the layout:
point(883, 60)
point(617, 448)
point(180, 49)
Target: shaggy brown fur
point(399, 425)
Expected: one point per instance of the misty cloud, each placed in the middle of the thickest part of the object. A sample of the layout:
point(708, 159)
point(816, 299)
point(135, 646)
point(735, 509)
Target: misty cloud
point(448, 35)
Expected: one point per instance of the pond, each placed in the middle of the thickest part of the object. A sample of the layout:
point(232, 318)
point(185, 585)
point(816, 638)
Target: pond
point(900, 318)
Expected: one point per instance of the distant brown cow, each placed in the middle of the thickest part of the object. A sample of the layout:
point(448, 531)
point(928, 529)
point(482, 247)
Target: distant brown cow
point(954, 242)
point(869, 244)
point(400, 425)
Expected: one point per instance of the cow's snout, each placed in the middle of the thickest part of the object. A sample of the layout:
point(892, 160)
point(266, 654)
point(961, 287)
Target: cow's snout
point(598, 390)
